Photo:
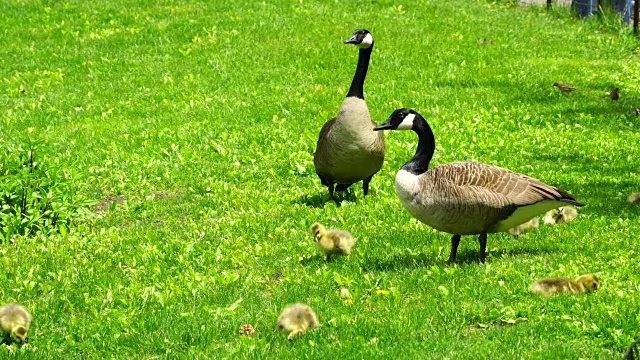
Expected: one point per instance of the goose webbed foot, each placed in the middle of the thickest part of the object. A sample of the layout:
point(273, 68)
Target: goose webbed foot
point(483, 246)
point(455, 241)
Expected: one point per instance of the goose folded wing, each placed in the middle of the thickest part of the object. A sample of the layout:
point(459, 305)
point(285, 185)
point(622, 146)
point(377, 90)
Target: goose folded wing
point(501, 186)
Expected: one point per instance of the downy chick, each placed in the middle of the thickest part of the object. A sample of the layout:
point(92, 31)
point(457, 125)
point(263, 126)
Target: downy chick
point(14, 322)
point(634, 198)
point(564, 87)
point(332, 242)
point(296, 319)
point(524, 228)
point(551, 286)
point(560, 215)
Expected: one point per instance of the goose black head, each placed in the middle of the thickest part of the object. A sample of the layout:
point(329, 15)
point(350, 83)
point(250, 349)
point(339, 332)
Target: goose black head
point(361, 38)
point(401, 119)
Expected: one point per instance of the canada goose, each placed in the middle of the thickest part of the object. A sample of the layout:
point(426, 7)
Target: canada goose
point(564, 87)
point(463, 197)
point(525, 227)
point(296, 319)
point(332, 242)
point(614, 94)
point(348, 150)
point(560, 215)
point(634, 198)
point(14, 322)
point(550, 286)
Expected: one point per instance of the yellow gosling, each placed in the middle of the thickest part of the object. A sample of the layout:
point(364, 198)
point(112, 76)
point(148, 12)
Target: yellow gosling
point(296, 319)
point(551, 286)
point(14, 322)
point(560, 215)
point(332, 242)
point(524, 228)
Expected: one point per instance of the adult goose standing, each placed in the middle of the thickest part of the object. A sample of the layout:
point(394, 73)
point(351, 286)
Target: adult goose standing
point(464, 197)
point(348, 150)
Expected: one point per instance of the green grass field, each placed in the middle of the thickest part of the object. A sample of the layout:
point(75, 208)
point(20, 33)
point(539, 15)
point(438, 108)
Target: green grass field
point(201, 119)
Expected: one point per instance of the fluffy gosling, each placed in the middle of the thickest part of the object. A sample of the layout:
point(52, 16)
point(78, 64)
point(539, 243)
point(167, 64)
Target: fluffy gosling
point(296, 319)
point(14, 322)
point(332, 242)
point(524, 228)
point(564, 87)
point(560, 215)
point(634, 198)
point(551, 286)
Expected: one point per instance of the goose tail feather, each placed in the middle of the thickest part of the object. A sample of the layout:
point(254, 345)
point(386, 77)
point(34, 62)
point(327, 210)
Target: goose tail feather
point(566, 197)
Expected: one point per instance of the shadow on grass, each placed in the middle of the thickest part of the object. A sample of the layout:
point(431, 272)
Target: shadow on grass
point(314, 259)
point(319, 200)
point(321, 259)
point(401, 261)
point(465, 257)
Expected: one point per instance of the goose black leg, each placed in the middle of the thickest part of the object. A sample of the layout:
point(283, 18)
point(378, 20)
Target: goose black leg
point(483, 246)
point(328, 257)
point(455, 241)
point(327, 183)
point(365, 185)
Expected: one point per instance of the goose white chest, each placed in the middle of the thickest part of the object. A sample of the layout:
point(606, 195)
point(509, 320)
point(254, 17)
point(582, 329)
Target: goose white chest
point(441, 212)
point(411, 193)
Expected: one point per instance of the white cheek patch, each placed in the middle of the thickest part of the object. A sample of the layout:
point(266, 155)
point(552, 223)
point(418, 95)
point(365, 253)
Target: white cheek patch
point(366, 42)
point(407, 123)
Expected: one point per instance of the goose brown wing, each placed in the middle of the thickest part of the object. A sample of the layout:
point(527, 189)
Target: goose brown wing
point(321, 150)
point(500, 186)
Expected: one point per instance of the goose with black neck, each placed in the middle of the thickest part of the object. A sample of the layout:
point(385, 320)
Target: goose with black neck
point(464, 197)
point(348, 150)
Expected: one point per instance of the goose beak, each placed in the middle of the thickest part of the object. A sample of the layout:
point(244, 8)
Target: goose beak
point(351, 40)
point(383, 126)
point(315, 238)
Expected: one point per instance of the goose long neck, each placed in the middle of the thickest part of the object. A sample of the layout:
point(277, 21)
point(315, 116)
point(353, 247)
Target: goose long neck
point(419, 163)
point(357, 84)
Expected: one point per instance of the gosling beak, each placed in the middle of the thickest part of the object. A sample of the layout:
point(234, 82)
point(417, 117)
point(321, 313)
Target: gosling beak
point(384, 126)
point(315, 238)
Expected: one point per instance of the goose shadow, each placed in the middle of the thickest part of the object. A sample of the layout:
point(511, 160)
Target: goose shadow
point(471, 256)
point(313, 259)
point(319, 200)
point(400, 261)
point(465, 257)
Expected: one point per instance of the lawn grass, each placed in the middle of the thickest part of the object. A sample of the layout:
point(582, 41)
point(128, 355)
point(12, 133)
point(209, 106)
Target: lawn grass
point(203, 118)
